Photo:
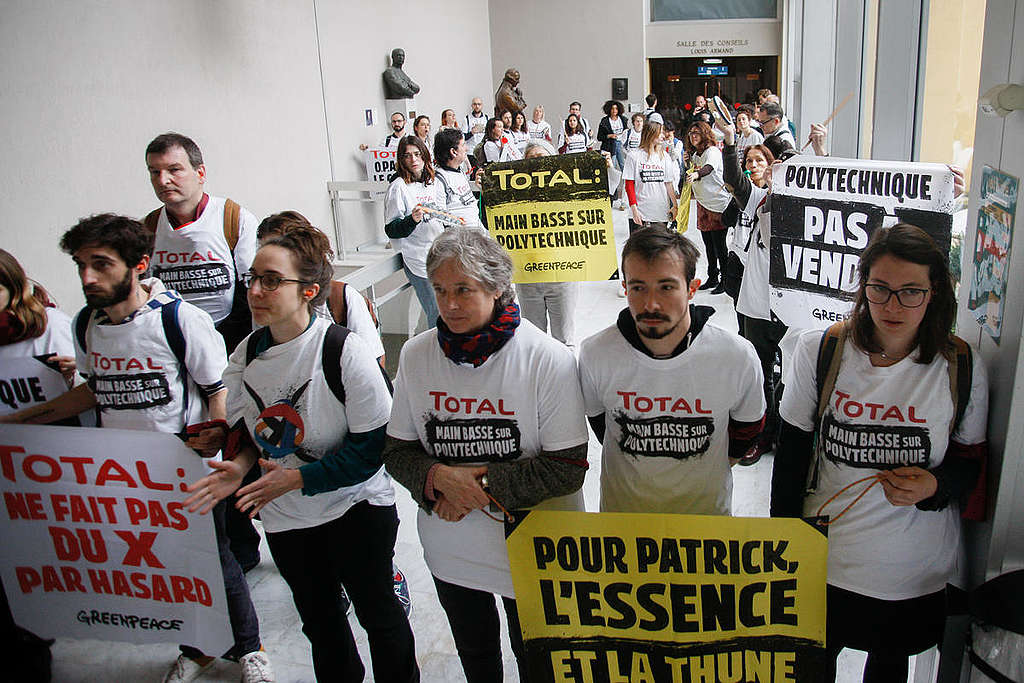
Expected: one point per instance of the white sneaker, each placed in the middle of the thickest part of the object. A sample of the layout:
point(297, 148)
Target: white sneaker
point(186, 669)
point(256, 668)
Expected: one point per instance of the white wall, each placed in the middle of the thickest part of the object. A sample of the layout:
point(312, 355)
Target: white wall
point(87, 84)
point(568, 51)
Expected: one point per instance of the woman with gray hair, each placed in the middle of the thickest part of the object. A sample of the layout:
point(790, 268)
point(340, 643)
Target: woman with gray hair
point(487, 409)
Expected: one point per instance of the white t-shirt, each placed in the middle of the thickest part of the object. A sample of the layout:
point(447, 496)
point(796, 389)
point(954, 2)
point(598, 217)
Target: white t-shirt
point(539, 131)
point(195, 260)
point(753, 300)
point(666, 441)
point(630, 140)
point(400, 200)
point(710, 190)
point(883, 418)
point(616, 125)
point(459, 198)
point(744, 141)
point(25, 379)
point(358, 320)
point(649, 175)
point(523, 399)
point(577, 142)
point(135, 375)
point(289, 381)
point(467, 129)
point(740, 236)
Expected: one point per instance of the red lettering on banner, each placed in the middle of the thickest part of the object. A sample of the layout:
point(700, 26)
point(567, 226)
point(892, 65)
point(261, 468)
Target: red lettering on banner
point(140, 548)
point(111, 470)
point(122, 363)
point(184, 256)
point(845, 405)
point(154, 512)
point(75, 506)
point(469, 406)
point(7, 462)
point(70, 545)
point(66, 579)
point(143, 470)
point(45, 469)
point(24, 505)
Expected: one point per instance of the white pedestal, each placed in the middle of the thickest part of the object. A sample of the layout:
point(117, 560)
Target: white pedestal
point(406, 106)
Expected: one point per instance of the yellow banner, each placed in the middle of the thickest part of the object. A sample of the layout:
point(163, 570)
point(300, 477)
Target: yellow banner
point(552, 214)
point(611, 598)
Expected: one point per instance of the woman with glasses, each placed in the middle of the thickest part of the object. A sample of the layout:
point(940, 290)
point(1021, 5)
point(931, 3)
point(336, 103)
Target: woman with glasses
point(889, 419)
point(487, 407)
point(309, 401)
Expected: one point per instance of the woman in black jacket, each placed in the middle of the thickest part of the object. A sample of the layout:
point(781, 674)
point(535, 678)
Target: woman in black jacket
point(608, 131)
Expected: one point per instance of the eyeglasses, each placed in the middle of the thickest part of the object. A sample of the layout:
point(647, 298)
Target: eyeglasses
point(909, 297)
point(268, 281)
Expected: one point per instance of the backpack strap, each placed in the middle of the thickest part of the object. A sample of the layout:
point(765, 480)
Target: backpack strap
point(334, 344)
point(232, 217)
point(81, 327)
point(830, 355)
point(176, 340)
point(149, 222)
point(336, 303)
point(252, 345)
point(961, 377)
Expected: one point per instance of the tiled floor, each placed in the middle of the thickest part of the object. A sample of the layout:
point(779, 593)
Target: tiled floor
point(91, 661)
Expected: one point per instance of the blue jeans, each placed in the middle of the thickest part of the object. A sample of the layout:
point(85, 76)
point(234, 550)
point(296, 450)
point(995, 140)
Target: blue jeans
point(425, 294)
point(619, 155)
point(245, 626)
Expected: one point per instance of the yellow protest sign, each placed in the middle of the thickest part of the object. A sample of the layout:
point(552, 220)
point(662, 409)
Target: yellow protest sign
point(632, 598)
point(553, 216)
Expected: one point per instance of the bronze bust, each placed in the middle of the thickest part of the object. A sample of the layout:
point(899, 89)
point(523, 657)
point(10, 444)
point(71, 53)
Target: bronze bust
point(397, 85)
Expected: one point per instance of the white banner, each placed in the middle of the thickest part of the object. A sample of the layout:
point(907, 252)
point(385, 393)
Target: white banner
point(824, 211)
point(26, 382)
point(97, 543)
point(380, 164)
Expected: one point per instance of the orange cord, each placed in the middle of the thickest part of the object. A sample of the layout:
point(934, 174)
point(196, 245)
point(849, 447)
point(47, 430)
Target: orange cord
point(509, 518)
point(876, 477)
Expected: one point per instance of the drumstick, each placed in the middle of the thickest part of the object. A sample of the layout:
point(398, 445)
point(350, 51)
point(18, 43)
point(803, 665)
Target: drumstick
point(831, 116)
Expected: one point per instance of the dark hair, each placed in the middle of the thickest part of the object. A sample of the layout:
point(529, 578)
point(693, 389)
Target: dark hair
point(27, 304)
point(419, 118)
point(774, 111)
point(707, 138)
point(668, 125)
point(490, 126)
point(427, 176)
point(608, 107)
point(777, 145)
point(579, 125)
point(763, 149)
point(515, 119)
point(909, 243)
point(311, 252)
point(280, 223)
point(746, 109)
point(650, 243)
point(763, 92)
point(651, 100)
point(576, 104)
point(162, 143)
point(445, 142)
point(124, 235)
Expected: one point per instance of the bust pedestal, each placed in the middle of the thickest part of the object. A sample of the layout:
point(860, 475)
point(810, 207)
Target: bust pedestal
point(405, 105)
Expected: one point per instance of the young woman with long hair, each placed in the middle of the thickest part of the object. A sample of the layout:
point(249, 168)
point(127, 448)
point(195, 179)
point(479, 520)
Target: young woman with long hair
point(712, 199)
point(573, 137)
point(888, 418)
point(650, 179)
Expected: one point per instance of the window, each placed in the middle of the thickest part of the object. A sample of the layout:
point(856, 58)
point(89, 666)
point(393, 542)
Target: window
point(689, 10)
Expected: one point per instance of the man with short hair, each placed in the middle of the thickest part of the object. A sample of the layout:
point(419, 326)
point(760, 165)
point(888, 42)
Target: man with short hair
point(476, 121)
point(449, 155)
point(772, 119)
point(193, 254)
point(674, 399)
point(650, 113)
point(129, 315)
point(576, 108)
point(397, 131)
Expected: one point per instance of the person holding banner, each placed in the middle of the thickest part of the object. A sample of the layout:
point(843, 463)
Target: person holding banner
point(756, 160)
point(573, 136)
point(497, 146)
point(179, 357)
point(449, 157)
point(650, 180)
point(884, 409)
point(674, 399)
point(520, 136)
point(537, 127)
point(487, 409)
point(407, 220)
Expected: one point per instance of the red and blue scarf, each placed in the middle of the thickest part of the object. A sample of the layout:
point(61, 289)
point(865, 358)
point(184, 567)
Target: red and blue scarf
point(475, 348)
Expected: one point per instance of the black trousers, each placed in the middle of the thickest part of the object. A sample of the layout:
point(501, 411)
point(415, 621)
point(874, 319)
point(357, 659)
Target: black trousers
point(717, 252)
point(354, 550)
point(765, 335)
point(473, 617)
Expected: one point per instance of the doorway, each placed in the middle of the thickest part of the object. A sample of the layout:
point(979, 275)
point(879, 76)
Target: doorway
point(676, 81)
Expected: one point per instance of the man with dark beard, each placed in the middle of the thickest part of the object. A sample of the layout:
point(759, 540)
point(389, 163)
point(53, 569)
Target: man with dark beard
point(674, 399)
point(153, 362)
